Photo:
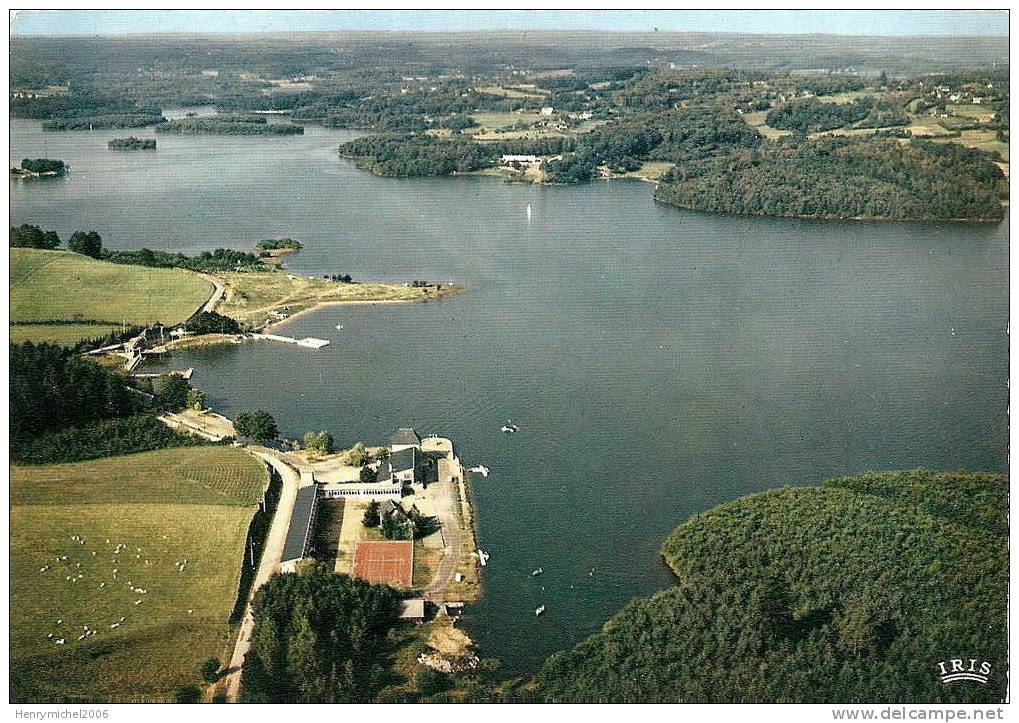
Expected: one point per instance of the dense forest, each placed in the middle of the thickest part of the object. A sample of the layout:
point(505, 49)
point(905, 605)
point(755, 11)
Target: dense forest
point(848, 592)
point(97, 122)
point(418, 155)
point(812, 115)
point(318, 638)
point(65, 408)
point(842, 178)
point(671, 135)
point(228, 126)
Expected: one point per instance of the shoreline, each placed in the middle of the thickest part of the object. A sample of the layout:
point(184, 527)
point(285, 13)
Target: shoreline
point(276, 325)
point(837, 219)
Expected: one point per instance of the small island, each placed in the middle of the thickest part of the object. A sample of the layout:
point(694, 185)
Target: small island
point(39, 167)
point(229, 125)
point(132, 144)
point(271, 250)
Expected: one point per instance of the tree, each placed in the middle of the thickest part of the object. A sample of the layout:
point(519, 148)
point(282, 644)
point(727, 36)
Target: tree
point(258, 425)
point(358, 455)
point(33, 237)
point(371, 515)
point(87, 244)
point(172, 392)
point(395, 528)
point(321, 442)
point(210, 670)
point(319, 637)
point(196, 399)
point(367, 474)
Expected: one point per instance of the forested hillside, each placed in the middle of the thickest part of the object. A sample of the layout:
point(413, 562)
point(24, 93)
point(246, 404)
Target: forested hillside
point(843, 178)
point(848, 592)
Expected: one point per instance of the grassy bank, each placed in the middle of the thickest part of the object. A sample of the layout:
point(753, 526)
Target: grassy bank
point(65, 297)
point(250, 297)
point(139, 515)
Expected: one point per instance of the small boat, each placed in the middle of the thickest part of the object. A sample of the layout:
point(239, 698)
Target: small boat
point(535, 573)
point(483, 557)
point(539, 611)
point(339, 327)
point(480, 469)
point(528, 212)
point(509, 427)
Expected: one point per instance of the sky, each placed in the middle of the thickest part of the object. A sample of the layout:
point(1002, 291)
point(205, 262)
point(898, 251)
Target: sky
point(836, 22)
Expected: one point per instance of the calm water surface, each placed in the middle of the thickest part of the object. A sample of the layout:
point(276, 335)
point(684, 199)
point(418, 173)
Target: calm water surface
point(658, 362)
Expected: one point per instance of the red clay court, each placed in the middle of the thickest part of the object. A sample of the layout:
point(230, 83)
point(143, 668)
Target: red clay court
point(386, 563)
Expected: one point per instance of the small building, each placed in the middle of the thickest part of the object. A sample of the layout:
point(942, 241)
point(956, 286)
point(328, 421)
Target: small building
point(403, 438)
point(547, 110)
point(519, 161)
point(302, 524)
point(413, 610)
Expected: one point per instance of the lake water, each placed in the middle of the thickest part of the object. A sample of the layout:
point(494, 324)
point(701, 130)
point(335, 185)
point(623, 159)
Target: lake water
point(658, 362)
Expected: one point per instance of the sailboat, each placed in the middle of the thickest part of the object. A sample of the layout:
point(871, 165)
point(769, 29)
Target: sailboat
point(528, 213)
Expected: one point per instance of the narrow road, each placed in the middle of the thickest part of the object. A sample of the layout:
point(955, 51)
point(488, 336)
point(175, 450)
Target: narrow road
point(217, 294)
point(271, 555)
point(454, 547)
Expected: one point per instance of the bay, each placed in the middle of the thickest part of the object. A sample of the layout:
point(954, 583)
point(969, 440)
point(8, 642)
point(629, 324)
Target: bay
point(658, 362)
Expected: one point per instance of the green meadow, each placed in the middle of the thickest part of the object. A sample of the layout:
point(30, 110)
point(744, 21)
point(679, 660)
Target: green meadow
point(65, 297)
point(102, 544)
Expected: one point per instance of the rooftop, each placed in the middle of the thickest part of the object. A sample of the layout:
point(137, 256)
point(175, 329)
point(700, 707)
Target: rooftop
point(403, 459)
point(299, 534)
point(412, 609)
point(404, 435)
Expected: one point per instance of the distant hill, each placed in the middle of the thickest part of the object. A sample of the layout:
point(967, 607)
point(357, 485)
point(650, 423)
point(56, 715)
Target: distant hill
point(848, 592)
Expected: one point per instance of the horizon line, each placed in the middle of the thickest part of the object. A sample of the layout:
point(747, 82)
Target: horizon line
point(497, 31)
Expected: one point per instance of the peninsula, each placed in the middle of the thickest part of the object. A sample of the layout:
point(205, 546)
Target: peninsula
point(228, 125)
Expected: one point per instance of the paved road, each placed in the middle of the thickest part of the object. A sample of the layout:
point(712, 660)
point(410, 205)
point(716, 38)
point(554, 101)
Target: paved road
point(217, 294)
point(267, 565)
point(451, 530)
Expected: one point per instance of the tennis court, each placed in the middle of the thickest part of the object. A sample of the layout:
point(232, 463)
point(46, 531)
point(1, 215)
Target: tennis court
point(386, 563)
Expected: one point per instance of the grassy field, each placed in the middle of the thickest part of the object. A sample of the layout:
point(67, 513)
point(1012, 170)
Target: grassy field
point(47, 286)
point(137, 517)
point(982, 140)
point(757, 121)
point(249, 297)
point(526, 92)
point(649, 171)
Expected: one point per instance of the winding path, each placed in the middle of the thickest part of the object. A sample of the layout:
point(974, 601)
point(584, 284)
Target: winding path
point(271, 555)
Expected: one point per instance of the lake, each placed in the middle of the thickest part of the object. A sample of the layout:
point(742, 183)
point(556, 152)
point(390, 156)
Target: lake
point(658, 361)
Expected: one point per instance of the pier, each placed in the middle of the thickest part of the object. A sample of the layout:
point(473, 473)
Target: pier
point(309, 342)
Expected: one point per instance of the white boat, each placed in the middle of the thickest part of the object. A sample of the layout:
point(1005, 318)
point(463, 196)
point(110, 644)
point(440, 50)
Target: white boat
point(539, 611)
point(537, 572)
point(483, 557)
point(480, 469)
point(339, 326)
point(509, 427)
point(528, 212)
